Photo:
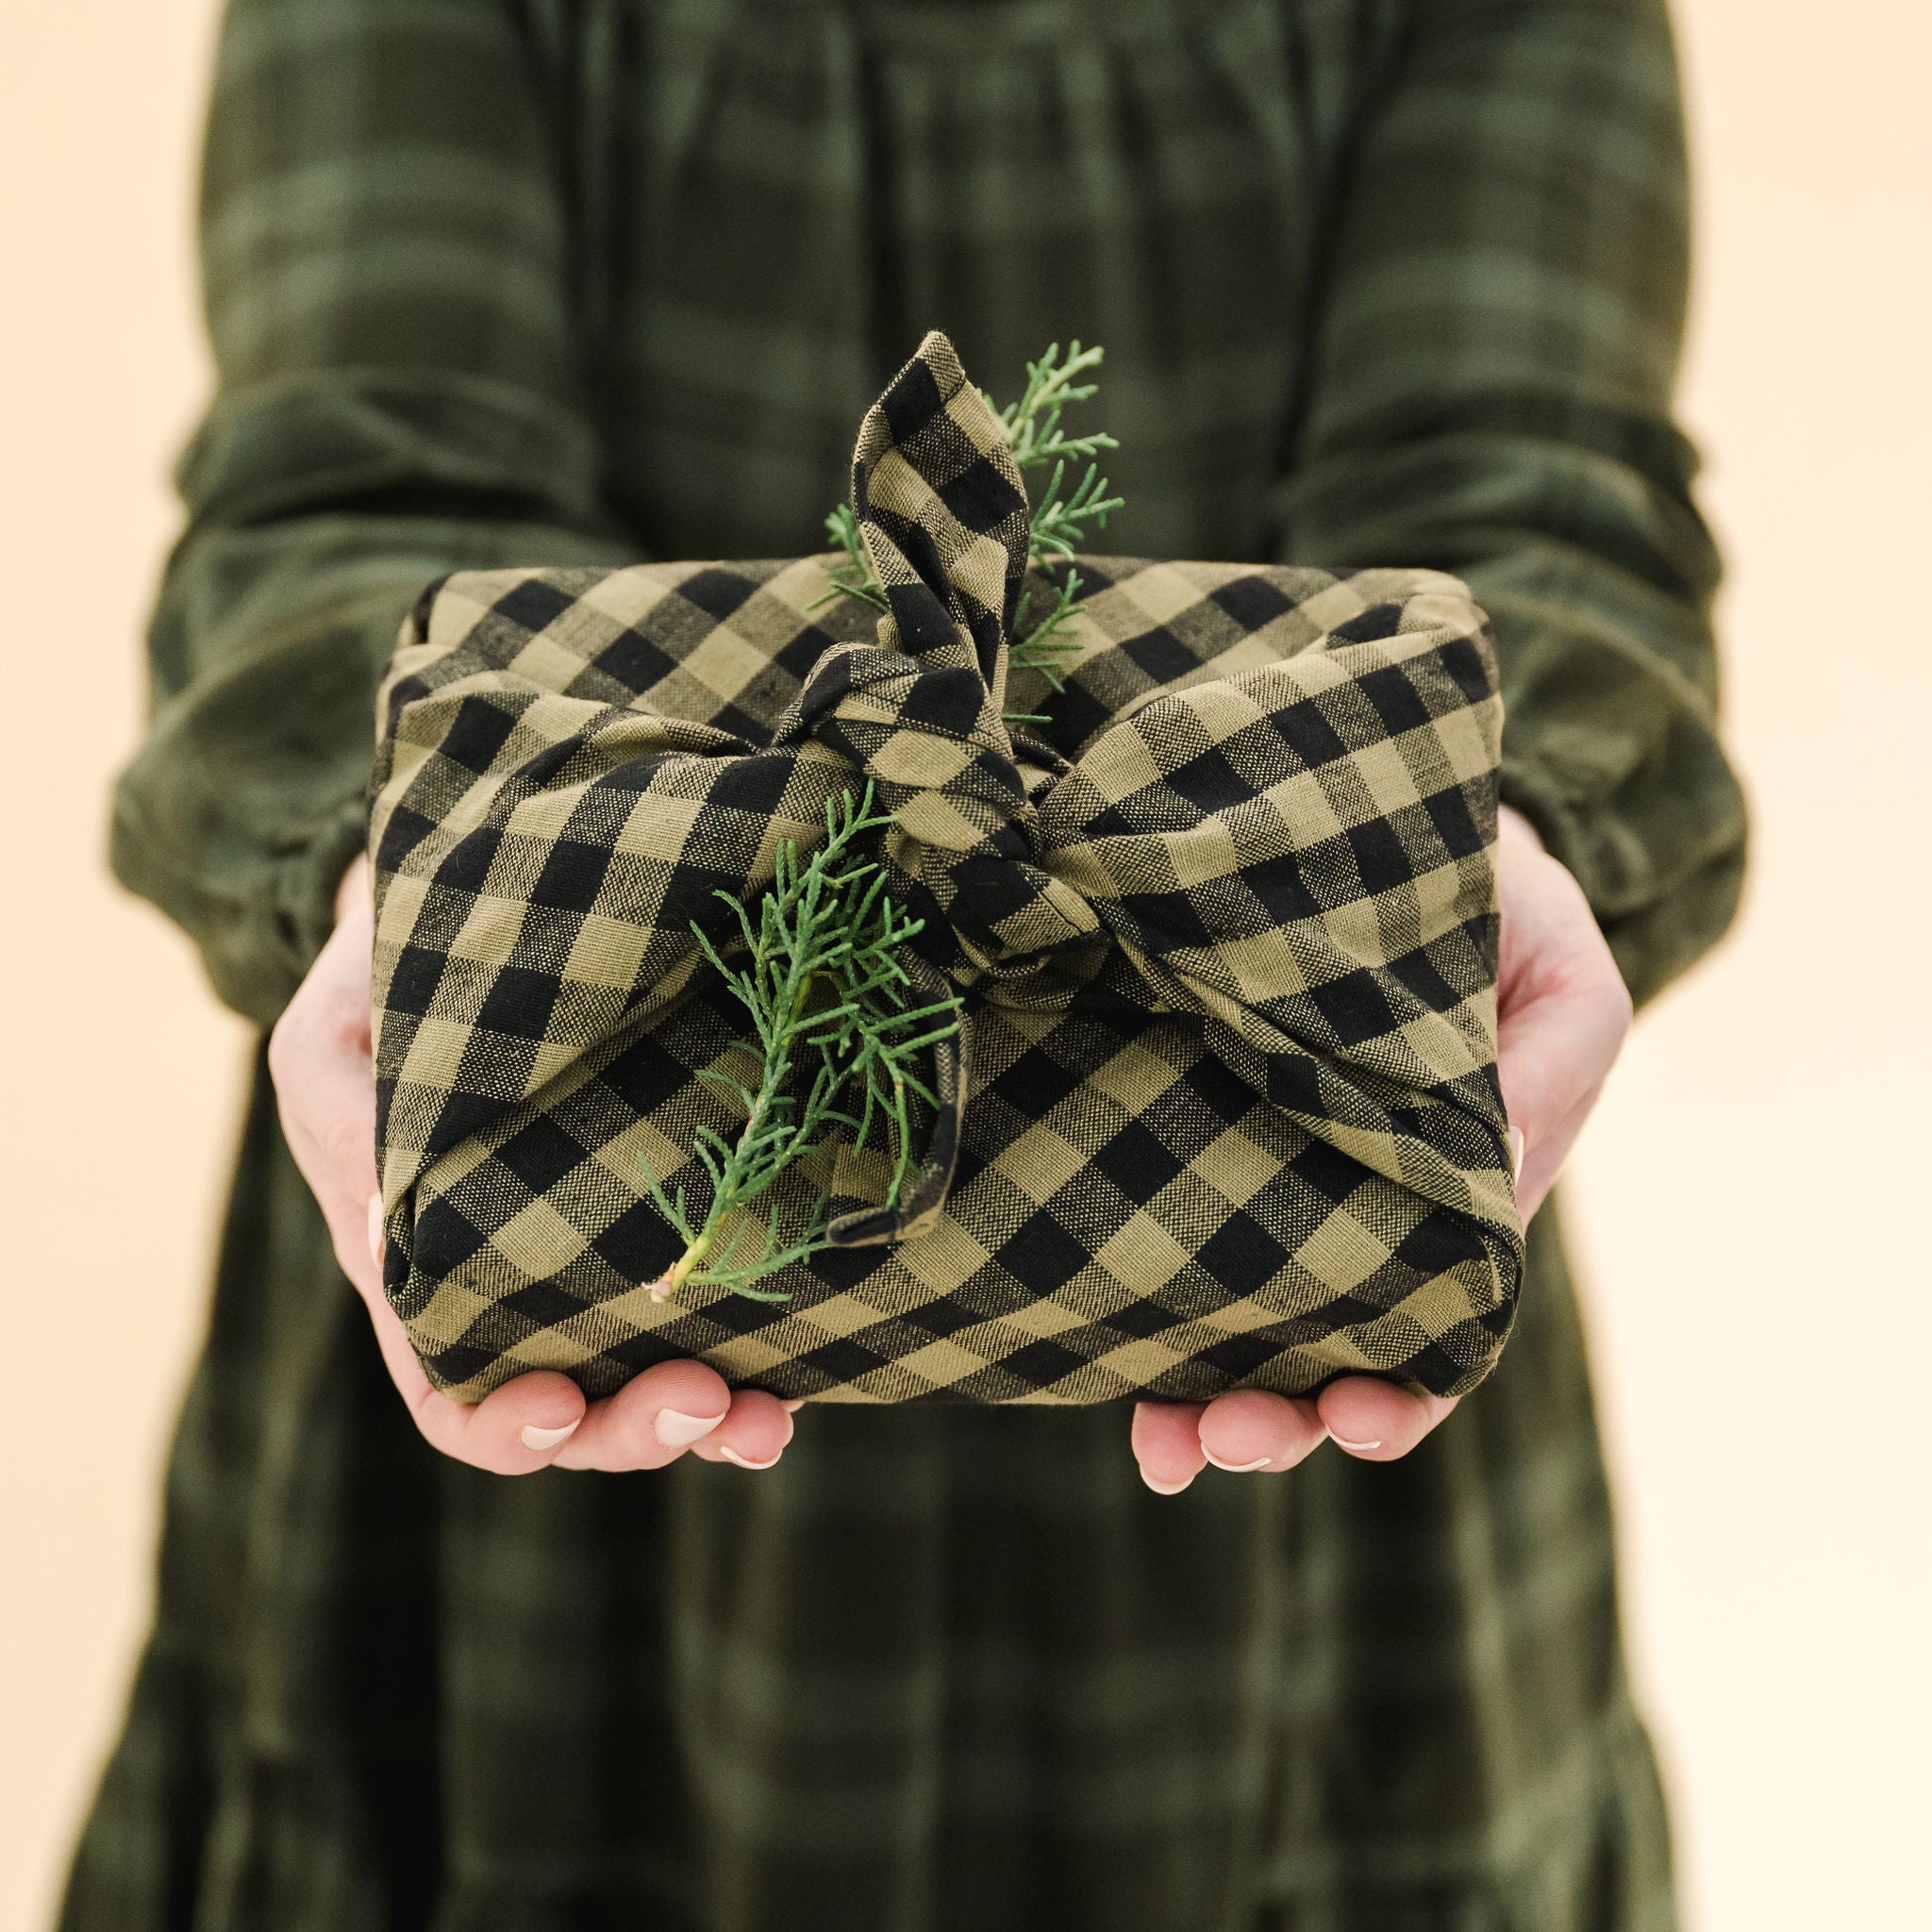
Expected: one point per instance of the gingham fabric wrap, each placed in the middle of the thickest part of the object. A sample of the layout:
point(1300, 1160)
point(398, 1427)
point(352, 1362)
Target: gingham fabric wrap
point(1226, 925)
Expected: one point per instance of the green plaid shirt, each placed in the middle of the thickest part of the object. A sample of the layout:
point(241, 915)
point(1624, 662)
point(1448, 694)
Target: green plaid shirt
point(1382, 282)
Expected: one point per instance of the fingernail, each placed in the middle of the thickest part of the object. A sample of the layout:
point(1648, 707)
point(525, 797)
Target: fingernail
point(792, 1407)
point(1516, 1148)
point(376, 1232)
point(676, 1430)
point(745, 1461)
point(1164, 1488)
point(1347, 1444)
point(1236, 1468)
point(534, 1438)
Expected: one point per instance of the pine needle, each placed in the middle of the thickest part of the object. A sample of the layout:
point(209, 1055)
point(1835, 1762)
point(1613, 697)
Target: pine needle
point(1036, 437)
point(1059, 529)
point(837, 1041)
point(855, 576)
point(1033, 423)
point(1047, 646)
point(1060, 524)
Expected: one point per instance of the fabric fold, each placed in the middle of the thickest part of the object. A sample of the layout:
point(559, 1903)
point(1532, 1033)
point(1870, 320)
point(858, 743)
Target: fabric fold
point(1264, 878)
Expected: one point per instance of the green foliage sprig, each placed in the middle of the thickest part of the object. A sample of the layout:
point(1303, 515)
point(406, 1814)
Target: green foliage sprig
point(837, 1038)
point(855, 577)
point(1033, 423)
point(1035, 435)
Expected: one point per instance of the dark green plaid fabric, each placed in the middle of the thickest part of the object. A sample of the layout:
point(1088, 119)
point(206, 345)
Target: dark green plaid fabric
point(508, 283)
point(1231, 1117)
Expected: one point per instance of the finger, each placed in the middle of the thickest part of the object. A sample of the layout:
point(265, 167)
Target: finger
point(1544, 1163)
point(355, 1232)
point(1166, 1440)
point(542, 1418)
point(392, 1340)
point(514, 1430)
point(1376, 1420)
point(652, 1420)
point(1563, 1011)
point(324, 1081)
point(487, 1435)
point(1554, 1050)
point(328, 1118)
point(753, 1435)
point(1252, 1430)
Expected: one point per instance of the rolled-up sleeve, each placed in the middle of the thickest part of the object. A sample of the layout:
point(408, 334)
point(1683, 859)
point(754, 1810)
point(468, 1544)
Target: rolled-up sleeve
point(1491, 395)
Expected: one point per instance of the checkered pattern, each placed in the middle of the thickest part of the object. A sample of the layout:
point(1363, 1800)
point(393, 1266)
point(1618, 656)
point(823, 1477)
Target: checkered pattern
point(1226, 925)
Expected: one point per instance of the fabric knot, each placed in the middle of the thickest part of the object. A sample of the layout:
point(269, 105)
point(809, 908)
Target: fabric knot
point(946, 522)
point(941, 762)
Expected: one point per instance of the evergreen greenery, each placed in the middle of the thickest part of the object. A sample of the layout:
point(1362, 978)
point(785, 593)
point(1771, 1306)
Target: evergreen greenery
point(837, 1038)
point(1035, 435)
point(855, 577)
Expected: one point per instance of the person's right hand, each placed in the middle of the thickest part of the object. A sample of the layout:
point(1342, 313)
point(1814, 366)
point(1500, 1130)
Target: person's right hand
point(1562, 1013)
point(319, 1059)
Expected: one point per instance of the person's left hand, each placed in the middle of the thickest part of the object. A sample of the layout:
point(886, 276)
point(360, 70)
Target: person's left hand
point(1562, 1015)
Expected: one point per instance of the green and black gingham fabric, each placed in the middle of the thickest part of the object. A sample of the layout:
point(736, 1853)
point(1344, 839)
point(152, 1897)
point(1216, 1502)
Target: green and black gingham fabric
point(494, 283)
point(1227, 935)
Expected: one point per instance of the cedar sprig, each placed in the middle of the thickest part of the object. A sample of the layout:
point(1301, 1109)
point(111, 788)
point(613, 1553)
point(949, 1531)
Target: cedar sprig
point(1060, 524)
point(1047, 646)
point(837, 1040)
point(1033, 423)
point(855, 577)
point(1035, 435)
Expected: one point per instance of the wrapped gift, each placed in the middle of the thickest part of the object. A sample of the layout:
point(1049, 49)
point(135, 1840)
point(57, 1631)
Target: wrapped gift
point(1185, 929)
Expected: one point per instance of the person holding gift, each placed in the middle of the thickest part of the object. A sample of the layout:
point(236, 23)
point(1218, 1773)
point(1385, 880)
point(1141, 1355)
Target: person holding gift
point(499, 286)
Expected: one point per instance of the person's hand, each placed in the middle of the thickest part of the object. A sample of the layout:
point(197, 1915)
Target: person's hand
point(1563, 1014)
point(319, 1056)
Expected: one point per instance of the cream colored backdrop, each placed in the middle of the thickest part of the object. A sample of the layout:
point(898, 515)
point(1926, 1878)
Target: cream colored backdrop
point(1759, 1156)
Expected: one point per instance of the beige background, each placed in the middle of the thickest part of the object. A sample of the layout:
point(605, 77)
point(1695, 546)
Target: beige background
point(1759, 1159)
